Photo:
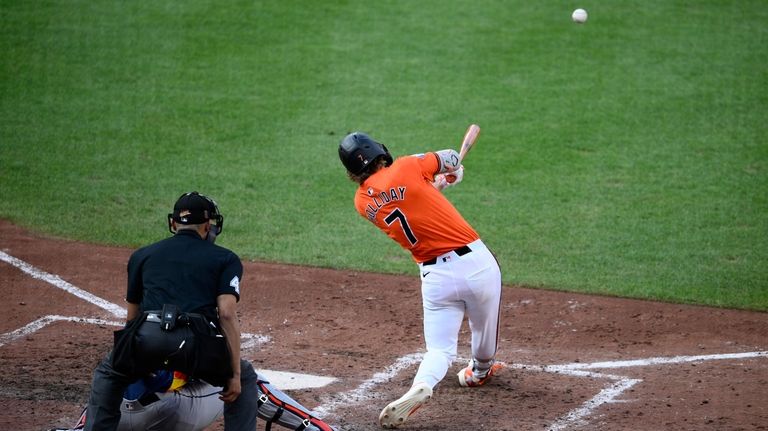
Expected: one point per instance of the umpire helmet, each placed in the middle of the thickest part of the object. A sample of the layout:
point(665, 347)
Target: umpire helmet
point(194, 208)
point(357, 150)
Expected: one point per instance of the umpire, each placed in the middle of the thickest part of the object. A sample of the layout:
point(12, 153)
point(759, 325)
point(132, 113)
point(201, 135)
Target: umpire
point(190, 275)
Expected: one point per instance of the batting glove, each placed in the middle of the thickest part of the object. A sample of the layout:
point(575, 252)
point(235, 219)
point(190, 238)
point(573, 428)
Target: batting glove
point(448, 179)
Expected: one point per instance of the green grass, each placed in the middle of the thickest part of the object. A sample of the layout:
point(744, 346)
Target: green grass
point(626, 156)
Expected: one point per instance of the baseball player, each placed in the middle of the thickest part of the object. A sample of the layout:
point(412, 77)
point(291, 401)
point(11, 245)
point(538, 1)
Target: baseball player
point(166, 401)
point(459, 275)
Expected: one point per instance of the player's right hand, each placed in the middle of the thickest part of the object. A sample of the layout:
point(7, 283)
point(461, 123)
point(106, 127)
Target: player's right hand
point(448, 179)
point(456, 176)
point(231, 391)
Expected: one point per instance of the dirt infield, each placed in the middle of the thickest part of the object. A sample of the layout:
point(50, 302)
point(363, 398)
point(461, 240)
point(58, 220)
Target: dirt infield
point(576, 362)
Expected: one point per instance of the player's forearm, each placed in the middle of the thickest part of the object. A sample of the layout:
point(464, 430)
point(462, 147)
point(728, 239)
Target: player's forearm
point(132, 311)
point(448, 161)
point(231, 328)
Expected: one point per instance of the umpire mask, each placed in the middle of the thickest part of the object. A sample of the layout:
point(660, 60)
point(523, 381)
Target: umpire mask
point(213, 232)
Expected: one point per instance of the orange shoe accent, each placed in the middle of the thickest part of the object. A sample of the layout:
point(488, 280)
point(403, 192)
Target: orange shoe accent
point(467, 377)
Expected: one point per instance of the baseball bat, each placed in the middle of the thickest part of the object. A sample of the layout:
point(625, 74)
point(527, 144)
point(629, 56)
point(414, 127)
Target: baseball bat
point(473, 131)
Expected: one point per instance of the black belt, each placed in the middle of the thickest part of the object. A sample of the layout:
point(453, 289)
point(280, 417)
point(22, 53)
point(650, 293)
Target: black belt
point(461, 251)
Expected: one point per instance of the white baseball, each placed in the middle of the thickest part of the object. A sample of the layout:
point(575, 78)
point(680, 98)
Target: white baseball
point(579, 16)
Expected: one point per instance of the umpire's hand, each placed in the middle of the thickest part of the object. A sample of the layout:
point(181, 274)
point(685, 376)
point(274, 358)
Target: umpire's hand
point(231, 391)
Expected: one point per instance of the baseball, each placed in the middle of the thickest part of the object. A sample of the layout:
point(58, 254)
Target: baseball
point(579, 16)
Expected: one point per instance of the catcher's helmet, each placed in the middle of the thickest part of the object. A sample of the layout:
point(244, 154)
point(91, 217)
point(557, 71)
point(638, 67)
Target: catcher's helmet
point(357, 150)
point(194, 208)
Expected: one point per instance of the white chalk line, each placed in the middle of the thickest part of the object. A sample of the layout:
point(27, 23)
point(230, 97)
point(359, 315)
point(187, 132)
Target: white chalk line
point(606, 395)
point(658, 361)
point(280, 379)
point(42, 322)
point(621, 383)
point(364, 390)
point(56, 281)
point(249, 341)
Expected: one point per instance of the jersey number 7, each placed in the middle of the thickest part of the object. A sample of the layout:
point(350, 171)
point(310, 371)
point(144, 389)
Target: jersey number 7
point(396, 215)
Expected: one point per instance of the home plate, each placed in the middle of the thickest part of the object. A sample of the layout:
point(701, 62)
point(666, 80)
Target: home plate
point(287, 381)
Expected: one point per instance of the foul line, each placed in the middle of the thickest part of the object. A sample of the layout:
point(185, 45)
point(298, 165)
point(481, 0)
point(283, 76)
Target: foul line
point(55, 280)
point(657, 361)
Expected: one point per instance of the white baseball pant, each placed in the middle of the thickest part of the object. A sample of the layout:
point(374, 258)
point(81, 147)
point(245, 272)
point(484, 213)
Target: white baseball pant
point(452, 287)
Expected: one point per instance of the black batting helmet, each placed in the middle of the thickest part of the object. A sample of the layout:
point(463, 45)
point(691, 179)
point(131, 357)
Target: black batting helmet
point(357, 150)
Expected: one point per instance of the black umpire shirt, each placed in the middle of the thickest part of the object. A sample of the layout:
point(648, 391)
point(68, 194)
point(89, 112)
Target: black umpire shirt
point(184, 270)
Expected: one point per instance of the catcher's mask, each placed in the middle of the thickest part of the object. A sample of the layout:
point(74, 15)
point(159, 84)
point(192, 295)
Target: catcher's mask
point(194, 208)
point(357, 150)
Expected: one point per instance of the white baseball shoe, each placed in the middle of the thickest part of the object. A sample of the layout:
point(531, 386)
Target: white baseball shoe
point(398, 411)
point(469, 377)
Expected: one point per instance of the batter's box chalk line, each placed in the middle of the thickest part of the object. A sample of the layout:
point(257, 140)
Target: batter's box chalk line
point(247, 340)
point(56, 281)
point(44, 321)
point(576, 417)
point(281, 379)
point(363, 392)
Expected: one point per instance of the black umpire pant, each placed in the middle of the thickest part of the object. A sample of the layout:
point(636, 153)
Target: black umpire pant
point(109, 385)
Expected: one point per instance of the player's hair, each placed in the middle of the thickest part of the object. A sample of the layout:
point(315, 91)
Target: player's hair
point(379, 163)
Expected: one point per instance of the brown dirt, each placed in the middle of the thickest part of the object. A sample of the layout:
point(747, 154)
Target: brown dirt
point(352, 325)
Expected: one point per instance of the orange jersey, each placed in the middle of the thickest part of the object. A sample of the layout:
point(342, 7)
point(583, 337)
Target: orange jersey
point(402, 202)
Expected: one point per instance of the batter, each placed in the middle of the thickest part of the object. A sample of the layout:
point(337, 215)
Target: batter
point(459, 275)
